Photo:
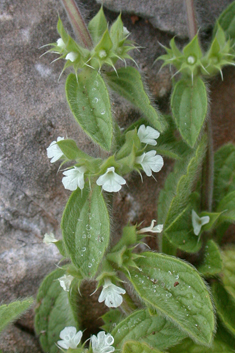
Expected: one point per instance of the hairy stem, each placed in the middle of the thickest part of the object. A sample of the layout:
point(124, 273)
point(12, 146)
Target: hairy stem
point(208, 167)
point(77, 22)
point(208, 170)
point(191, 18)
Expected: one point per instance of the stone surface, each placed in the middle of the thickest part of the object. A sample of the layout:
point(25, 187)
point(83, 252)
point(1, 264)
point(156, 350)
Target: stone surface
point(169, 15)
point(34, 112)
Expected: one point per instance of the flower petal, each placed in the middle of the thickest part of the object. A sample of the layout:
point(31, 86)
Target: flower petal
point(205, 220)
point(77, 337)
point(68, 331)
point(110, 181)
point(63, 344)
point(148, 135)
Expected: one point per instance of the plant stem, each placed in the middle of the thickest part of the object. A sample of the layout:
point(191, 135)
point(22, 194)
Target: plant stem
point(78, 24)
point(208, 167)
point(191, 18)
point(209, 186)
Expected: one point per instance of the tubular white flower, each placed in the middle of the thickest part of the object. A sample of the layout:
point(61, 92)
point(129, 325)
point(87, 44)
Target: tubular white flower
point(198, 222)
point(74, 178)
point(148, 135)
point(53, 151)
point(111, 181)
point(157, 229)
point(71, 56)
point(102, 343)
point(65, 282)
point(150, 162)
point(70, 338)
point(61, 43)
point(111, 294)
point(49, 238)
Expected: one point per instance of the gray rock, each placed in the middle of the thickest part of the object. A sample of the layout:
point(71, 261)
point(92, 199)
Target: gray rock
point(169, 15)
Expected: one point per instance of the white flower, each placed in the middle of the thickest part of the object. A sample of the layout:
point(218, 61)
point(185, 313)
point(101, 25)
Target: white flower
point(125, 31)
point(111, 294)
point(198, 222)
point(148, 135)
point(53, 151)
point(49, 238)
point(150, 162)
point(111, 181)
point(71, 56)
point(70, 337)
point(102, 343)
point(74, 178)
point(157, 229)
point(61, 43)
point(65, 282)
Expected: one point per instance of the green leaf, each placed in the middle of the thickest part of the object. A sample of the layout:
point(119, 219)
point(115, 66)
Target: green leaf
point(224, 181)
point(180, 232)
point(104, 44)
point(169, 145)
point(138, 347)
point(189, 108)
point(116, 31)
point(214, 217)
point(128, 84)
point(97, 26)
point(228, 274)
point(89, 102)
point(85, 227)
point(224, 335)
point(153, 330)
point(227, 21)
point(225, 306)
point(227, 207)
point(53, 312)
point(174, 199)
point(177, 291)
point(111, 319)
point(212, 262)
point(11, 312)
point(70, 150)
point(187, 346)
point(193, 48)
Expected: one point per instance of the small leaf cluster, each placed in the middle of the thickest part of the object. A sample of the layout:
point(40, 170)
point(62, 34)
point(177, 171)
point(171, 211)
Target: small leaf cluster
point(189, 102)
point(109, 45)
point(192, 62)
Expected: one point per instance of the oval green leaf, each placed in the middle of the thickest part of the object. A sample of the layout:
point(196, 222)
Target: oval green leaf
point(153, 330)
point(53, 312)
point(224, 171)
point(176, 290)
point(11, 312)
point(225, 306)
point(85, 228)
point(189, 108)
point(89, 102)
point(212, 262)
point(187, 346)
point(138, 347)
point(227, 208)
point(227, 21)
point(127, 83)
point(228, 274)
